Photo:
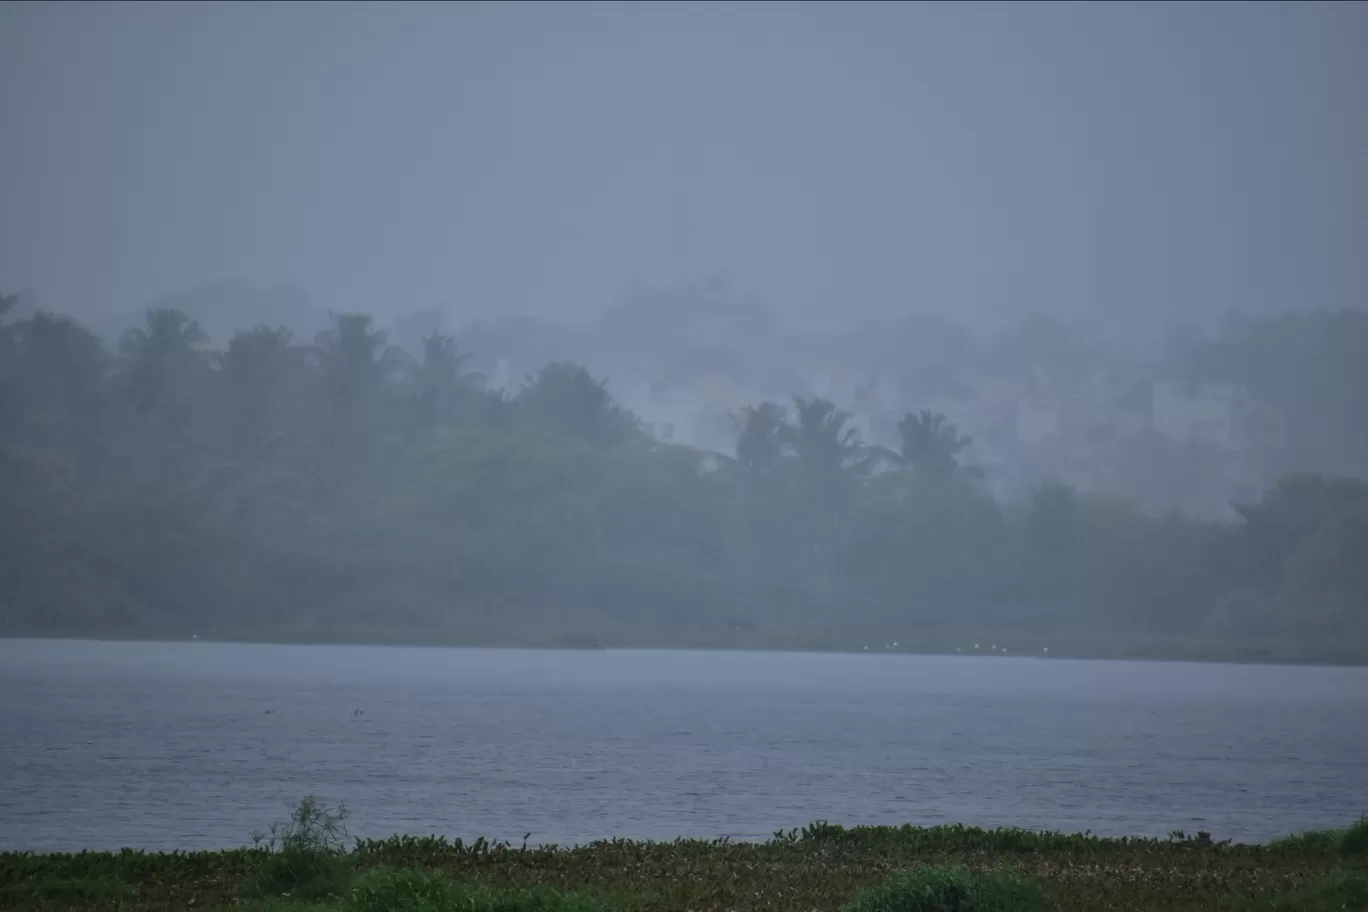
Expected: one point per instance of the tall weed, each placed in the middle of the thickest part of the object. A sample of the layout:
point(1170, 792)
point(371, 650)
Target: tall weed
point(304, 857)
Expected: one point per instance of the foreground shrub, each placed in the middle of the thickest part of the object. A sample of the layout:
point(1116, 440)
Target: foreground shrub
point(304, 857)
point(953, 889)
point(1351, 840)
point(391, 891)
point(1354, 839)
point(418, 891)
point(1342, 890)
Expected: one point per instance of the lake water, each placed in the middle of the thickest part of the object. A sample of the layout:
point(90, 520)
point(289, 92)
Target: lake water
point(197, 745)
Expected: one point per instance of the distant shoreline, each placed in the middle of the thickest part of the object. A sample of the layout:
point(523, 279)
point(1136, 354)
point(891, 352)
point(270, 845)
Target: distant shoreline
point(1196, 652)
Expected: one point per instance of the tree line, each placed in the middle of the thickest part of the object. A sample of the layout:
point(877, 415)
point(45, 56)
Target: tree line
point(341, 488)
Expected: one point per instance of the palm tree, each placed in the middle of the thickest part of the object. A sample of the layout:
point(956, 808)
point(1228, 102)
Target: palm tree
point(354, 364)
point(762, 437)
point(254, 368)
point(160, 354)
point(829, 455)
point(931, 442)
point(58, 371)
point(821, 440)
point(441, 380)
point(354, 360)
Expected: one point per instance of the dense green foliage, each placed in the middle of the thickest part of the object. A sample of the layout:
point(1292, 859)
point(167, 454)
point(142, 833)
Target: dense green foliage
point(820, 867)
point(346, 490)
point(1350, 841)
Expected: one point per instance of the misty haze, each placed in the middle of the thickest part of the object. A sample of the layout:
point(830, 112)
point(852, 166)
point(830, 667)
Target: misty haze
point(560, 422)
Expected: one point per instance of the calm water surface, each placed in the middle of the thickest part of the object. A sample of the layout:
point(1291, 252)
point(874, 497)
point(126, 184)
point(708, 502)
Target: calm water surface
point(197, 745)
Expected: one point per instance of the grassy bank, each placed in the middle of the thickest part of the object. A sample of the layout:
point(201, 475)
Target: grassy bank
point(305, 865)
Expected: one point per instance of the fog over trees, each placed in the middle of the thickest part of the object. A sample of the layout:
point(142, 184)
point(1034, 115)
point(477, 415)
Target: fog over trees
point(337, 486)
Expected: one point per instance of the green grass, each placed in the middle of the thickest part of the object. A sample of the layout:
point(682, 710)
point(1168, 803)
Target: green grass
point(423, 891)
point(953, 889)
point(308, 865)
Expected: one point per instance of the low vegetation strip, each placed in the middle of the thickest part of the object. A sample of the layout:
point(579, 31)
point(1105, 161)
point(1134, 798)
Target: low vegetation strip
point(307, 865)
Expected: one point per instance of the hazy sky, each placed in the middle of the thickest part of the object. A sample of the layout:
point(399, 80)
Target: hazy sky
point(1136, 162)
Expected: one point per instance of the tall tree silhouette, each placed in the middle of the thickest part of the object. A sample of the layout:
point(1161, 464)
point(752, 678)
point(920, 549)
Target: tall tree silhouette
point(931, 442)
point(160, 355)
point(824, 444)
point(563, 396)
point(761, 439)
point(254, 370)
